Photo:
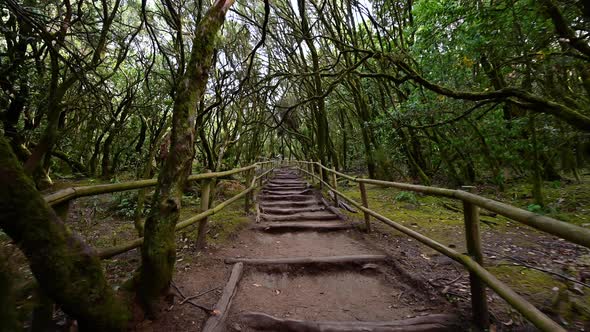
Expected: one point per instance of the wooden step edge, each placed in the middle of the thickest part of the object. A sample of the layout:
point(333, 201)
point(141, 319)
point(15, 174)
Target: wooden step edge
point(286, 193)
point(430, 323)
point(309, 260)
point(288, 198)
point(292, 211)
point(216, 322)
point(297, 226)
point(279, 203)
point(311, 215)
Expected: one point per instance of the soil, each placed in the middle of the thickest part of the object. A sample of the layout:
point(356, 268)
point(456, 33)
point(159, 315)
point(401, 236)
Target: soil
point(370, 292)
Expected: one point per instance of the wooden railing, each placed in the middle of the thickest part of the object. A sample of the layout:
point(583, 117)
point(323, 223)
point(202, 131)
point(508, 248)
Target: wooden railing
point(473, 261)
point(60, 200)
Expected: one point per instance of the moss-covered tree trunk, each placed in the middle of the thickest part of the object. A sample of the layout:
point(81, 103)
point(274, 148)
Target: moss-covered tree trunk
point(65, 267)
point(364, 119)
point(8, 314)
point(159, 248)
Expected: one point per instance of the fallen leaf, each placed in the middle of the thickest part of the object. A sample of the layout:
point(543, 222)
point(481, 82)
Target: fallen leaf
point(256, 285)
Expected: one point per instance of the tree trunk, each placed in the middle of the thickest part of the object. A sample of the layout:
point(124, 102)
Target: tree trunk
point(67, 269)
point(106, 156)
point(75, 166)
point(319, 114)
point(8, 314)
point(537, 170)
point(159, 247)
point(344, 138)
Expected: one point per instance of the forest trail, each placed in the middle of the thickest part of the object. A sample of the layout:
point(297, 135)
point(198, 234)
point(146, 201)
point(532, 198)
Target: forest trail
point(307, 269)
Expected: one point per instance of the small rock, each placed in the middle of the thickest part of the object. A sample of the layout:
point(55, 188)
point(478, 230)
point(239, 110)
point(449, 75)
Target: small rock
point(577, 288)
point(410, 206)
point(370, 267)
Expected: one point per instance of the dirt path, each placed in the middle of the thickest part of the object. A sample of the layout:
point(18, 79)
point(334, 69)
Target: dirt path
point(361, 291)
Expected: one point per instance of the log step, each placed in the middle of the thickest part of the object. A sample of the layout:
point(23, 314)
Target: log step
point(216, 323)
point(283, 182)
point(288, 210)
point(429, 323)
point(290, 186)
point(309, 260)
point(291, 197)
point(286, 192)
point(287, 204)
point(287, 175)
point(272, 183)
point(318, 226)
point(301, 216)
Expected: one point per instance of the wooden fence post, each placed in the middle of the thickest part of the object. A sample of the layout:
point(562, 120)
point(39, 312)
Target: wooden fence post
point(366, 205)
point(311, 166)
point(321, 173)
point(205, 198)
point(478, 290)
point(248, 198)
point(335, 185)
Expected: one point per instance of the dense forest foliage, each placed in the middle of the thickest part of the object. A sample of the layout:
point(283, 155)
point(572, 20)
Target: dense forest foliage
point(447, 92)
point(464, 91)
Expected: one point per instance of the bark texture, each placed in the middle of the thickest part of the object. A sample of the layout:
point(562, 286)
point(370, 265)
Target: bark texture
point(67, 269)
point(159, 247)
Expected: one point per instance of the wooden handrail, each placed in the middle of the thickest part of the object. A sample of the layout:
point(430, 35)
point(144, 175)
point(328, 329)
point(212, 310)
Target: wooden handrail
point(567, 231)
point(70, 193)
point(117, 250)
point(534, 315)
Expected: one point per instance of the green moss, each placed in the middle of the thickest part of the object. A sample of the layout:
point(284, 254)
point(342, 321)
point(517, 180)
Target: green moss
point(526, 281)
point(227, 223)
point(222, 225)
point(542, 288)
point(566, 202)
point(8, 313)
point(424, 214)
